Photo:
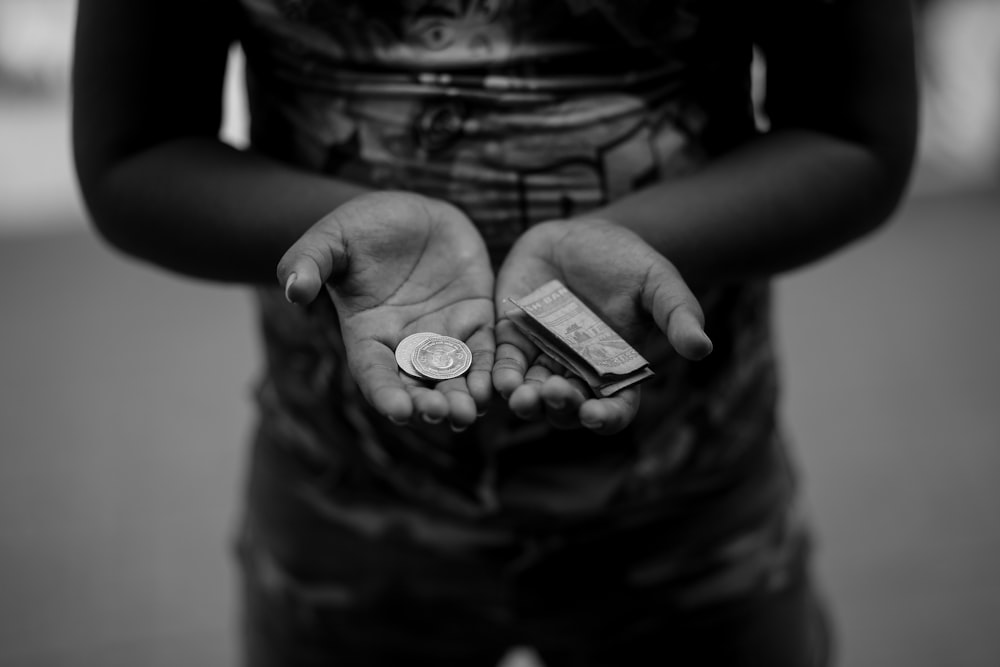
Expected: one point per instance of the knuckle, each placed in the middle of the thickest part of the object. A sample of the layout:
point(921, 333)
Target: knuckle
point(509, 363)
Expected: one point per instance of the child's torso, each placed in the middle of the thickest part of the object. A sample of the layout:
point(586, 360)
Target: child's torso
point(518, 111)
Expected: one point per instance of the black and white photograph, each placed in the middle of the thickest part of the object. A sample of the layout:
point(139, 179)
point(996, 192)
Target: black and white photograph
point(499, 333)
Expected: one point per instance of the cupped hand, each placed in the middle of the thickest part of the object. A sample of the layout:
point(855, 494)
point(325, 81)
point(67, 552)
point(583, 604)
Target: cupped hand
point(394, 264)
point(625, 281)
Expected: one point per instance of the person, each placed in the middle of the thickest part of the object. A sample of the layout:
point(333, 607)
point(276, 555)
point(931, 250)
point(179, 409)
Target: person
point(414, 164)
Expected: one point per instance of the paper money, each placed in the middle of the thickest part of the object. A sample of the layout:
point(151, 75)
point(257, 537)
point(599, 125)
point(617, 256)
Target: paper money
point(563, 327)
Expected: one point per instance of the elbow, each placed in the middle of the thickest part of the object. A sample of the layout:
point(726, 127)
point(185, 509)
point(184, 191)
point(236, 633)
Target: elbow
point(880, 185)
point(883, 164)
point(111, 196)
point(889, 140)
point(891, 173)
point(101, 210)
point(92, 168)
point(111, 181)
point(895, 157)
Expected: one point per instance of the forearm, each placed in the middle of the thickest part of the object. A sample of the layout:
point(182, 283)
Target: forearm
point(779, 202)
point(841, 99)
point(199, 207)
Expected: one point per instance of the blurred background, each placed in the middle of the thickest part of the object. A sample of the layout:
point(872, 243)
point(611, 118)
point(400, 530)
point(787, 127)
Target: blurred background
point(124, 395)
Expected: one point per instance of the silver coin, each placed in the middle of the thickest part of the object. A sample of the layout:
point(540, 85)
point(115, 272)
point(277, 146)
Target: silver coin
point(441, 358)
point(404, 352)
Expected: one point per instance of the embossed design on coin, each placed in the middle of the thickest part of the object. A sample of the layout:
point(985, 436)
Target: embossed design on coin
point(442, 358)
point(404, 351)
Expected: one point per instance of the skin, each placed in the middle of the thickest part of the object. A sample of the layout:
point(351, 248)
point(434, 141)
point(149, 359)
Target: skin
point(161, 187)
point(395, 264)
point(631, 286)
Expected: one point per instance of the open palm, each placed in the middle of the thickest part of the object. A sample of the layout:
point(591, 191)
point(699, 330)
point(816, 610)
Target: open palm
point(394, 264)
point(624, 280)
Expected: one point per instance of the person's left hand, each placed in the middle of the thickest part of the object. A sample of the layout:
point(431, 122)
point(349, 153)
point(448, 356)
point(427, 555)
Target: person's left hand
point(625, 281)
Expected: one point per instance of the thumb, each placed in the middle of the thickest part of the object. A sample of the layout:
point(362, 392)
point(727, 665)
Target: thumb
point(676, 311)
point(316, 257)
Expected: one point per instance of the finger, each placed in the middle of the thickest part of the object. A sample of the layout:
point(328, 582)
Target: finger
point(373, 367)
point(429, 405)
point(686, 333)
point(676, 311)
point(562, 399)
point(509, 368)
point(461, 408)
point(317, 256)
point(526, 399)
point(479, 379)
point(610, 414)
point(514, 353)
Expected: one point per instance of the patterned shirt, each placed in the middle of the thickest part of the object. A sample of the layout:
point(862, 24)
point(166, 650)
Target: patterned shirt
point(519, 111)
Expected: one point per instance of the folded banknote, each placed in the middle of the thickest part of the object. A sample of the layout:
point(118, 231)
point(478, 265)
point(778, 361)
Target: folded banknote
point(569, 332)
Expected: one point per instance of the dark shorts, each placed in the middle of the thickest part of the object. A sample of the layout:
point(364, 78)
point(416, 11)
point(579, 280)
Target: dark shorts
point(319, 589)
point(295, 623)
point(338, 598)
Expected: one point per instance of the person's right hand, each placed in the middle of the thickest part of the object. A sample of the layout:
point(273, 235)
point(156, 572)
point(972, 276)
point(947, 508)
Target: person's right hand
point(398, 263)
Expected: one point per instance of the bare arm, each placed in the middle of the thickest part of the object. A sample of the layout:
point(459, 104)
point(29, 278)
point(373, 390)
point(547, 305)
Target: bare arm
point(841, 98)
point(161, 186)
point(147, 105)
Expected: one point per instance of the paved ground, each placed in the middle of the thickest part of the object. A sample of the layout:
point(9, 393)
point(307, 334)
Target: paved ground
point(124, 407)
point(893, 395)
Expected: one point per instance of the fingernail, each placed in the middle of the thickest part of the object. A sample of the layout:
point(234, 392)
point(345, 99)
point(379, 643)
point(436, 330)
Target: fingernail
point(432, 420)
point(481, 413)
point(593, 425)
point(288, 287)
point(707, 342)
point(457, 429)
point(557, 404)
point(398, 422)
